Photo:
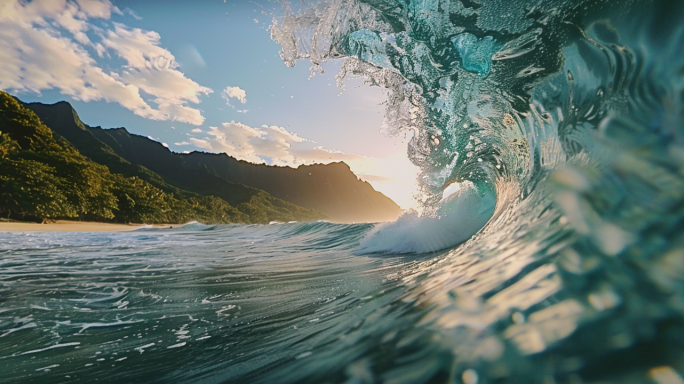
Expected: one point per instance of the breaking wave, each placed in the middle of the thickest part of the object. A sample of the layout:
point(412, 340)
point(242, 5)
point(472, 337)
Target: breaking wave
point(549, 138)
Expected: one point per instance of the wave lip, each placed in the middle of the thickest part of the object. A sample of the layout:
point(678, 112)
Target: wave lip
point(461, 215)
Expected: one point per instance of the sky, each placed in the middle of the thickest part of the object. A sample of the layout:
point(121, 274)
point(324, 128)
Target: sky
point(198, 76)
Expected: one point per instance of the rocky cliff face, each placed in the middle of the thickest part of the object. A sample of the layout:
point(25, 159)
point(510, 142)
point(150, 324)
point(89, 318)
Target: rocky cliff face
point(332, 189)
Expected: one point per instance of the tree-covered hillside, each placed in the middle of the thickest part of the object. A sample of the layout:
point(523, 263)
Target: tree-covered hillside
point(44, 178)
point(331, 188)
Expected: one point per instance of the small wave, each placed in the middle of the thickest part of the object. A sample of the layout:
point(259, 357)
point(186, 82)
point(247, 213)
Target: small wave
point(195, 226)
point(144, 226)
point(190, 226)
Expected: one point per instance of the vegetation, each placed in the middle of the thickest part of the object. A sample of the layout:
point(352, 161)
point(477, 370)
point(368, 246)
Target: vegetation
point(44, 178)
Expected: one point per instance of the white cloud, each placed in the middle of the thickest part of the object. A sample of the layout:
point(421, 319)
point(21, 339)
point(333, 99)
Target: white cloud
point(138, 47)
point(96, 8)
point(251, 144)
point(277, 144)
point(181, 143)
point(129, 11)
point(197, 130)
point(44, 44)
point(234, 92)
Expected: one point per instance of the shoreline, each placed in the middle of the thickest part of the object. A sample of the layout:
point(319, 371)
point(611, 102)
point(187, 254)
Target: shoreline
point(71, 226)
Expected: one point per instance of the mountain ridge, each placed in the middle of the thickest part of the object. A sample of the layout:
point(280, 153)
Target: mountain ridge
point(44, 177)
point(329, 188)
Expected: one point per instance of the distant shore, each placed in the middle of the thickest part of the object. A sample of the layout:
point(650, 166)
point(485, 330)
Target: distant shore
point(70, 226)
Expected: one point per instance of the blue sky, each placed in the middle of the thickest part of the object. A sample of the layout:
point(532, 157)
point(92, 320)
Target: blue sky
point(162, 68)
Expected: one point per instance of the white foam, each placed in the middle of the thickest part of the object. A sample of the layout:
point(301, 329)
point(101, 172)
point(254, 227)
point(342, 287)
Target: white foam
point(141, 349)
point(48, 348)
point(117, 323)
point(462, 213)
point(48, 368)
point(25, 326)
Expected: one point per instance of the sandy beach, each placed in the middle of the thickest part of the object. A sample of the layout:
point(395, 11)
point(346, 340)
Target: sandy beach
point(66, 226)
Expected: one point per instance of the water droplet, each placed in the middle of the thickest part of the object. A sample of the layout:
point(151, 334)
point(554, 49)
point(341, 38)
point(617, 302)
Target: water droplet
point(518, 318)
point(470, 376)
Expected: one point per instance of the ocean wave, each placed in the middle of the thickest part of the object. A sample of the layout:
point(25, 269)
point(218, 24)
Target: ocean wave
point(460, 215)
point(549, 137)
point(570, 113)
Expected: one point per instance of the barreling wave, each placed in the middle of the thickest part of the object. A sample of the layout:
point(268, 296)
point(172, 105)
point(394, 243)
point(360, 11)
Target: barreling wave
point(565, 118)
point(549, 138)
point(499, 92)
point(462, 212)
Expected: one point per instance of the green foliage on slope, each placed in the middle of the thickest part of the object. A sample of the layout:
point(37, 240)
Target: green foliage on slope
point(43, 178)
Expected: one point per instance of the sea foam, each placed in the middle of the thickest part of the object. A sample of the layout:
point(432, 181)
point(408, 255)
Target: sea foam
point(461, 214)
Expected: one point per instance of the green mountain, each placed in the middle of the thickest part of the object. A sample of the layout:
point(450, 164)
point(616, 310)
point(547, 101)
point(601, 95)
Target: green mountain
point(43, 177)
point(64, 121)
point(332, 189)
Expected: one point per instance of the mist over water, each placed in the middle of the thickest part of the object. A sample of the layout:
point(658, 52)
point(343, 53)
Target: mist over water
point(549, 136)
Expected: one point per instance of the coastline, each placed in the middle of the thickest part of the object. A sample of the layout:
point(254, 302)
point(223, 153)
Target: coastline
point(69, 226)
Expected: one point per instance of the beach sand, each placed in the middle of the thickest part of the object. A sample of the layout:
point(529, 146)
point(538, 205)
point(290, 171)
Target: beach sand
point(66, 226)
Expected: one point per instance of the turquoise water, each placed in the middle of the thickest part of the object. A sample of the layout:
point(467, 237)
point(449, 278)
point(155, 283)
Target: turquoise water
point(549, 247)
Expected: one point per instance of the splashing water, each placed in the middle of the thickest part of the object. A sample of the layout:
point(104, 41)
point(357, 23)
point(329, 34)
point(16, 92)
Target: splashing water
point(460, 215)
point(549, 138)
point(570, 112)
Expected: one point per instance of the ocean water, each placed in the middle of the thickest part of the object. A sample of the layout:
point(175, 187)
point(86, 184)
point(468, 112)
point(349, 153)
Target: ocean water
point(549, 246)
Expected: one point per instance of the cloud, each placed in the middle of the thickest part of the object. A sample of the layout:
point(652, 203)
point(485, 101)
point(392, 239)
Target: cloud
point(48, 44)
point(96, 8)
point(251, 144)
point(181, 143)
point(267, 144)
point(129, 11)
point(234, 92)
point(197, 130)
